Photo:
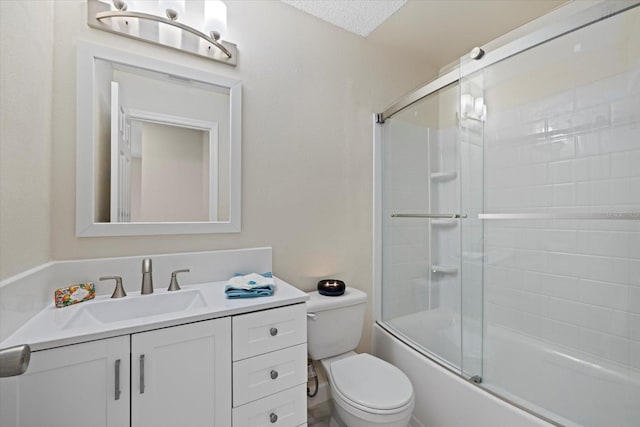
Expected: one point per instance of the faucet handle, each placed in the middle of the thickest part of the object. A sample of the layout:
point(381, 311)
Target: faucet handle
point(118, 292)
point(173, 286)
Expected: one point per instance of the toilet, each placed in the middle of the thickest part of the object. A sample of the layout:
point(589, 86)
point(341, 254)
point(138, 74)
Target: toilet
point(366, 391)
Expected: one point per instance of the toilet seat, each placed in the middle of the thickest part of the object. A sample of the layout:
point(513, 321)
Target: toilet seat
point(371, 384)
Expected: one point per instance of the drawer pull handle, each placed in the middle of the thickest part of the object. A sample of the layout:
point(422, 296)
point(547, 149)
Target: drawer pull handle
point(142, 374)
point(117, 385)
point(274, 374)
point(273, 418)
point(273, 331)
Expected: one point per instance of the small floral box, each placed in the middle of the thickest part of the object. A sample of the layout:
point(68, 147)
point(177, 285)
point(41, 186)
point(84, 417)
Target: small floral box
point(74, 294)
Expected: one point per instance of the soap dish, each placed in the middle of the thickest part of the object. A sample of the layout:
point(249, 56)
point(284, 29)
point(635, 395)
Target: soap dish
point(331, 287)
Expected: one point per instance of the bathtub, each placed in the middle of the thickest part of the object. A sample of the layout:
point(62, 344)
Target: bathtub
point(558, 385)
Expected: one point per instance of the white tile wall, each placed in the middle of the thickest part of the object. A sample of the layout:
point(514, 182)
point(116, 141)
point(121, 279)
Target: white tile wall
point(634, 354)
point(568, 282)
point(405, 266)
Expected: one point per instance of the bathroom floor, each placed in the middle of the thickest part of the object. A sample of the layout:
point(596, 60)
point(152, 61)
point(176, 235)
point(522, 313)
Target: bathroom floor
point(319, 415)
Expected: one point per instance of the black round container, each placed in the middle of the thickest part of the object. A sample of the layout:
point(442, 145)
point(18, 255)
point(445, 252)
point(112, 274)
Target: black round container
point(331, 287)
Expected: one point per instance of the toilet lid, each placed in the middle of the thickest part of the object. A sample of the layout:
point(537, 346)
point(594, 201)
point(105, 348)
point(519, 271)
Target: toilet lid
point(371, 382)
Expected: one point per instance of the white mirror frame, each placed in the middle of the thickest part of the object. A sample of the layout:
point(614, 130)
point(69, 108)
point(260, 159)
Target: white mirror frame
point(85, 146)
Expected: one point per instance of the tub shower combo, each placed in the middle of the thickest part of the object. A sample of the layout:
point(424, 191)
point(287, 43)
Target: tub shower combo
point(508, 218)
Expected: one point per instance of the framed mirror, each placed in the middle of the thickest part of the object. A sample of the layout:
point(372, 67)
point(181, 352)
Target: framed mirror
point(158, 147)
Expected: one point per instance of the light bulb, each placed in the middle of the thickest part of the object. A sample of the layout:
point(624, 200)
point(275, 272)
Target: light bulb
point(119, 5)
point(174, 9)
point(215, 17)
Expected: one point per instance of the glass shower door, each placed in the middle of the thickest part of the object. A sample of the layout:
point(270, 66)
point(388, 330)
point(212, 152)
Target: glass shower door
point(557, 130)
point(421, 268)
point(471, 135)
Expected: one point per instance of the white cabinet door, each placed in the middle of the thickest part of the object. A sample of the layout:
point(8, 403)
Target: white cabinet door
point(74, 386)
point(181, 376)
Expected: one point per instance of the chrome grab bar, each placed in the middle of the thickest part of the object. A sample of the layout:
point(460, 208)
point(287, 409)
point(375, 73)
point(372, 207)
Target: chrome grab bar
point(14, 360)
point(430, 215)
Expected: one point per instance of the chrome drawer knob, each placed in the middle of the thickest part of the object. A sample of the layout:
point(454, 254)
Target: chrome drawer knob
point(273, 418)
point(274, 374)
point(273, 331)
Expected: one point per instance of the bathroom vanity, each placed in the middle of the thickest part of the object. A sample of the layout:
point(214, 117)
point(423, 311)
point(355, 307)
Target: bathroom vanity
point(189, 357)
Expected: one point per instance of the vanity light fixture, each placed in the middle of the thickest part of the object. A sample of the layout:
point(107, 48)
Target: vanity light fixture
point(148, 20)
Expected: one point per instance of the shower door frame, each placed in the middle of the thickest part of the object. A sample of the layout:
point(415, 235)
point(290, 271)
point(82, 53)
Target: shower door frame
point(564, 20)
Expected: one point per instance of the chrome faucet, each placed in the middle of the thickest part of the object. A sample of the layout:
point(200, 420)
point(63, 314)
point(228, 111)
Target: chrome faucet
point(119, 291)
point(147, 279)
point(173, 285)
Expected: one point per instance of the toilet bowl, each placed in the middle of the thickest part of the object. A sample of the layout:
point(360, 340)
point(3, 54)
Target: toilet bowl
point(366, 390)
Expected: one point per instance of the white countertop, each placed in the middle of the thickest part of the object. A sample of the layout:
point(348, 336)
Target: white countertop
point(54, 327)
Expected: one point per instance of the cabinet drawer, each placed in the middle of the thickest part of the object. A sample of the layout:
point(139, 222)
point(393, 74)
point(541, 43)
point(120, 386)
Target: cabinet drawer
point(269, 330)
point(269, 373)
point(285, 409)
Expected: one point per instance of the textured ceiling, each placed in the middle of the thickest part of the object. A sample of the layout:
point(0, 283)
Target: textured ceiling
point(360, 17)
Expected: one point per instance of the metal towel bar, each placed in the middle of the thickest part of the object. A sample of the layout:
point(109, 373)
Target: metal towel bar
point(430, 215)
point(567, 215)
point(564, 215)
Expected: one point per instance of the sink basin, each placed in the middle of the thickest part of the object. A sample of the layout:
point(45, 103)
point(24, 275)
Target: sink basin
point(135, 307)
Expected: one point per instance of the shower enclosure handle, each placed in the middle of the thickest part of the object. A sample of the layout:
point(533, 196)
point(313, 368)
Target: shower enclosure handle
point(430, 215)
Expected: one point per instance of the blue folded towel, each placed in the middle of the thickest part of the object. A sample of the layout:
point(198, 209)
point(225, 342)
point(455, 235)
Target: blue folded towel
point(250, 286)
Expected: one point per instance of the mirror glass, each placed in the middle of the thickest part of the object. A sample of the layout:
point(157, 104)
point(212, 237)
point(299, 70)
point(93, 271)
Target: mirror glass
point(161, 143)
point(163, 175)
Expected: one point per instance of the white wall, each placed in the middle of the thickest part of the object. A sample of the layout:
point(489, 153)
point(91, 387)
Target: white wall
point(172, 174)
point(309, 91)
point(26, 72)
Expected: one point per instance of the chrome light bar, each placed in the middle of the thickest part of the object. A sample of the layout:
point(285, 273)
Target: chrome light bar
point(101, 17)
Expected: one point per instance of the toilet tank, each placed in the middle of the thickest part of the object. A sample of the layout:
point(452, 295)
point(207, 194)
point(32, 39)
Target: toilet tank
point(335, 323)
